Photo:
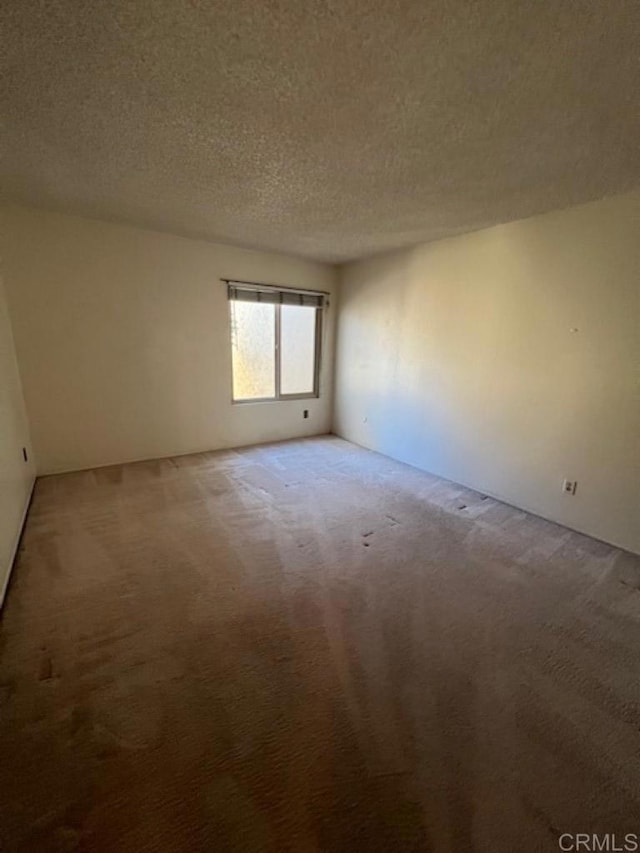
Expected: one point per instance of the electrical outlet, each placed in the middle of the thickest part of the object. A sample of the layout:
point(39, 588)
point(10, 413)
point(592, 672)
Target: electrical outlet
point(569, 486)
point(305, 413)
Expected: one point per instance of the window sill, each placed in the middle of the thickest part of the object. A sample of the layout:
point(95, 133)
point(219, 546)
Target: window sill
point(292, 398)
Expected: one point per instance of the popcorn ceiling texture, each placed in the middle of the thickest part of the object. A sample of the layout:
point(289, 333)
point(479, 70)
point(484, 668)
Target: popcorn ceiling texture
point(326, 129)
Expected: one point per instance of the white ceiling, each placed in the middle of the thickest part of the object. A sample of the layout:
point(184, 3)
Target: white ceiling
point(326, 128)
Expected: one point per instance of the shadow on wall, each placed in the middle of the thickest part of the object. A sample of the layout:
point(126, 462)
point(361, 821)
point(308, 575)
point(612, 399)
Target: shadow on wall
point(505, 360)
point(398, 423)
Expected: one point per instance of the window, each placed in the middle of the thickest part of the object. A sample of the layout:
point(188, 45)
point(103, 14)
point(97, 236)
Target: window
point(275, 342)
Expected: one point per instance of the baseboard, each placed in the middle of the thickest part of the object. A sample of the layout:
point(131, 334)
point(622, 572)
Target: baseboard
point(501, 498)
point(55, 472)
point(16, 546)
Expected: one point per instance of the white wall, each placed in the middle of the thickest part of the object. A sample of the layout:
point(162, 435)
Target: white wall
point(123, 339)
point(16, 475)
point(459, 357)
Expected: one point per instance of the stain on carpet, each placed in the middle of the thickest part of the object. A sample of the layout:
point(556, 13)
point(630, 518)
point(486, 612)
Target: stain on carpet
point(199, 654)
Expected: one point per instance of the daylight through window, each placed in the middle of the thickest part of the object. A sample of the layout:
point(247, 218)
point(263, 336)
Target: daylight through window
point(275, 342)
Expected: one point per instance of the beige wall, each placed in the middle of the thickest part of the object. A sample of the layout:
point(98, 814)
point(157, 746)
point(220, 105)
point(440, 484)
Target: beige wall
point(457, 357)
point(460, 357)
point(122, 336)
point(16, 475)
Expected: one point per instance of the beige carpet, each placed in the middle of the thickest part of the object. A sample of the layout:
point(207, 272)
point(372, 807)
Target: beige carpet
point(309, 647)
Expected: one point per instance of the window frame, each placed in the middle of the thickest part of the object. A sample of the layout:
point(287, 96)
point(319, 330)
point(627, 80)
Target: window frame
point(279, 396)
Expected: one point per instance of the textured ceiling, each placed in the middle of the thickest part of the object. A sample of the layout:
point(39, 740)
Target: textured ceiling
point(325, 128)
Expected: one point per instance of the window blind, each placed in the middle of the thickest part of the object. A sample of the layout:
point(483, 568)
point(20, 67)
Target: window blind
point(249, 292)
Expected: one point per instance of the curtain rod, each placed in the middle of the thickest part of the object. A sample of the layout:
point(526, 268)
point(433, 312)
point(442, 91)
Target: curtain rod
point(274, 286)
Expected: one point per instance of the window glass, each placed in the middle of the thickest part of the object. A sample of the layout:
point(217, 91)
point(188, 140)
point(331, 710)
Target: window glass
point(297, 349)
point(253, 350)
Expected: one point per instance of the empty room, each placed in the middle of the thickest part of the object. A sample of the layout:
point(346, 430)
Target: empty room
point(320, 426)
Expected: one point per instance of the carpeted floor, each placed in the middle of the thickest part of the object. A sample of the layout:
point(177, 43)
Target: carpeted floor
point(309, 647)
